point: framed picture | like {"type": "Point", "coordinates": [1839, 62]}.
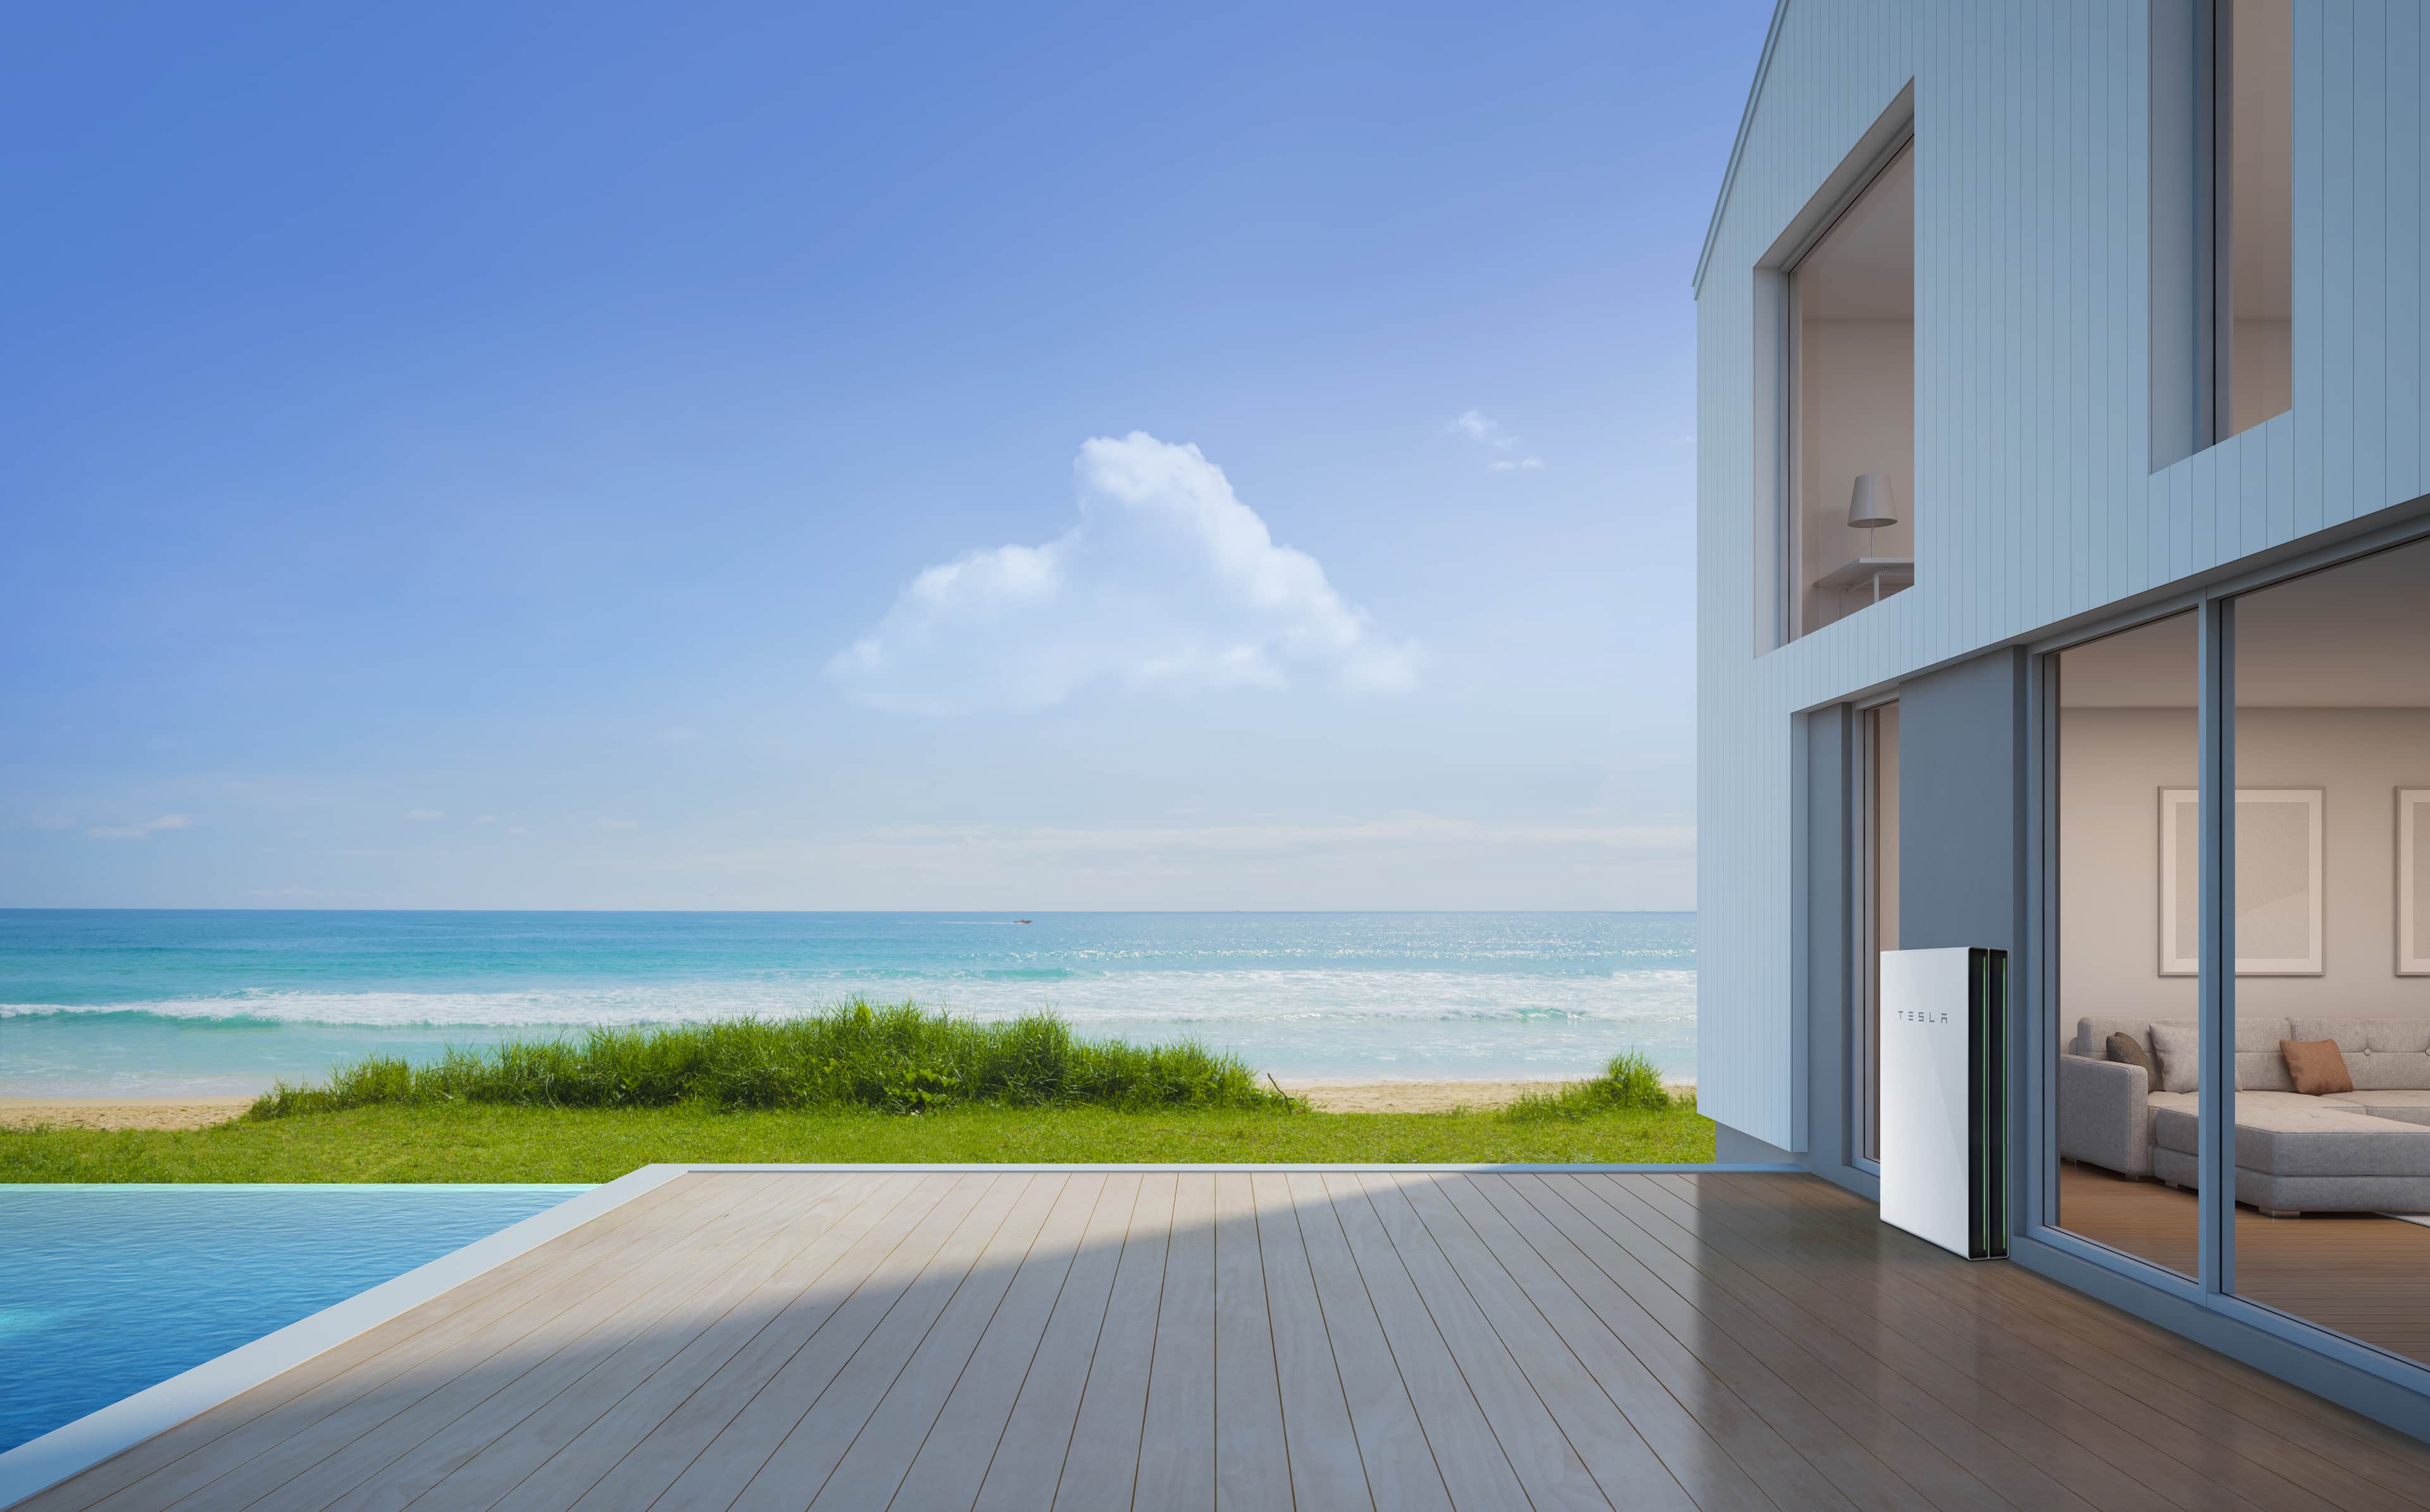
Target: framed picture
{"type": "Point", "coordinates": [2413, 881]}
{"type": "Point", "coordinates": [2279, 910]}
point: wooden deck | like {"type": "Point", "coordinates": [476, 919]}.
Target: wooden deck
{"type": "Point", "coordinates": [1026, 1339]}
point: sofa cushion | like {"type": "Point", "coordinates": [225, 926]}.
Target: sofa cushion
{"type": "Point", "coordinates": [2129, 1051]}
{"type": "Point", "coordinates": [2406, 1107]}
{"type": "Point", "coordinates": [2176, 1050]}
{"type": "Point", "coordinates": [2259, 1065]}
{"type": "Point", "coordinates": [2092, 1031]}
{"type": "Point", "coordinates": [2382, 1055]}
{"type": "Point", "coordinates": [2317, 1067]}
{"type": "Point", "coordinates": [2289, 1134]}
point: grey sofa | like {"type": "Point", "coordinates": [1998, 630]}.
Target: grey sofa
{"type": "Point", "coordinates": [2367, 1150]}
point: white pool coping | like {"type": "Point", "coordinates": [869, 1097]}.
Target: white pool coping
{"type": "Point", "coordinates": [39, 1463]}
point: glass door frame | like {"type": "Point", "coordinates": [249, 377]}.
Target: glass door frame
{"type": "Point", "coordinates": [2036, 1050]}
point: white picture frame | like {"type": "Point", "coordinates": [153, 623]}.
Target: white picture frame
{"type": "Point", "coordinates": [2413, 881]}
{"type": "Point", "coordinates": [2280, 906]}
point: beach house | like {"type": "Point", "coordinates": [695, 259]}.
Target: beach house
{"type": "Point", "coordinates": [2064, 589]}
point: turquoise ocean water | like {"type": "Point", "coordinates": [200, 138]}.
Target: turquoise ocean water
{"type": "Point", "coordinates": [100, 1002]}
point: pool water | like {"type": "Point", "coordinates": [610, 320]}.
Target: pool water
{"type": "Point", "coordinates": [105, 1290]}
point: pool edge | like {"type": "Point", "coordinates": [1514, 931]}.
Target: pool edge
{"type": "Point", "coordinates": [40, 1463]}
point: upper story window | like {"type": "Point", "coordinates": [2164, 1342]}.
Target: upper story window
{"type": "Point", "coordinates": [1850, 372]}
{"type": "Point", "coordinates": [2254, 165]}
{"type": "Point", "coordinates": [2222, 219]}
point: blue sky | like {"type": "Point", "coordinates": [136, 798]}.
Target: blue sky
{"type": "Point", "coordinates": [784, 456]}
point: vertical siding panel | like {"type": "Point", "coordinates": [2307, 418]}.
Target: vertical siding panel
{"type": "Point", "coordinates": [2370, 96]}
{"type": "Point", "coordinates": [2334, 500]}
{"type": "Point", "coordinates": [2310, 334]}
{"type": "Point", "coordinates": [2125, 397]}
{"type": "Point", "coordinates": [2401, 407]}
{"type": "Point", "coordinates": [2254, 503]}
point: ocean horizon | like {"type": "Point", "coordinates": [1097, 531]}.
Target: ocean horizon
{"type": "Point", "coordinates": [105, 1002]}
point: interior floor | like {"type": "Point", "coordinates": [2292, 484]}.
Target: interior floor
{"type": "Point", "coordinates": [2359, 1273]}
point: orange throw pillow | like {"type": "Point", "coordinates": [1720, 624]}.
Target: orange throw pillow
{"type": "Point", "coordinates": [2317, 1066]}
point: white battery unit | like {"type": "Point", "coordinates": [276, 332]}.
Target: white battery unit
{"type": "Point", "coordinates": [1945, 1035]}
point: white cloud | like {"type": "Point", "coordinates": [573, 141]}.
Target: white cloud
{"type": "Point", "coordinates": [426, 813]}
{"type": "Point", "coordinates": [136, 832]}
{"type": "Point", "coordinates": [1478, 426]}
{"type": "Point", "coordinates": [620, 823]}
{"type": "Point", "coordinates": [485, 819]}
{"type": "Point", "coordinates": [1168, 582]}
{"type": "Point", "coordinates": [517, 829]}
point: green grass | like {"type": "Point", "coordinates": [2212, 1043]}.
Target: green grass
{"type": "Point", "coordinates": [1629, 1082]}
{"type": "Point", "coordinates": [856, 1084]}
{"type": "Point", "coordinates": [897, 1059]}
{"type": "Point", "coordinates": [471, 1141]}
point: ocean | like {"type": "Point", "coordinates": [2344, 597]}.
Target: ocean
{"type": "Point", "coordinates": [174, 1003]}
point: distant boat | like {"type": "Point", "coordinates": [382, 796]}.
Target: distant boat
{"type": "Point", "coordinates": [1021, 921]}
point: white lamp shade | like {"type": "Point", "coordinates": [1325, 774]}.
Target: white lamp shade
{"type": "Point", "coordinates": [1873, 504]}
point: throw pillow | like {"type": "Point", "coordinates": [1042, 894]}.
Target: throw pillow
{"type": "Point", "coordinates": [2316, 1064]}
{"type": "Point", "coordinates": [2179, 1048]}
{"type": "Point", "coordinates": [2126, 1048]}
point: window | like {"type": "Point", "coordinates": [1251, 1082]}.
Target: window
{"type": "Point", "coordinates": [2223, 284]}
{"type": "Point", "coordinates": [2127, 867]}
{"type": "Point", "coordinates": [1851, 370]}
{"type": "Point", "coordinates": [2331, 757]}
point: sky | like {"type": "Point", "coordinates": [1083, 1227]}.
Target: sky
{"type": "Point", "coordinates": [892, 457]}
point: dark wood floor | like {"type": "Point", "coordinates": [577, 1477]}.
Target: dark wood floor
{"type": "Point", "coordinates": [2356, 1272]}
{"type": "Point", "coordinates": [1317, 1340]}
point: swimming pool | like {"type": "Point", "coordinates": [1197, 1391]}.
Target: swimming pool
{"type": "Point", "coordinates": [105, 1290]}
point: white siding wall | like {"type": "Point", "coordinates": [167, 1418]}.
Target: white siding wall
{"type": "Point", "coordinates": [2032, 498]}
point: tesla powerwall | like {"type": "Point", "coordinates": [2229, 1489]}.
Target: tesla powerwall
{"type": "Point", "coordinates": [1944, 1097]}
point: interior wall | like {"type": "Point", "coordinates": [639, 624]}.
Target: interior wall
{"type": "Point", "coordinates": [2261, 382]}
{"type": "Point", "coordinates": [1856, 414]}
{"type": "Point", "coordinates": [2112, 764]}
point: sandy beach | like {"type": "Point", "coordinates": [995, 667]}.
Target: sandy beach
{"type": "Point", "coordinates": [120, 1112]}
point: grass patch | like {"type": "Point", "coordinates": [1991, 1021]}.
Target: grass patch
{"type": "Point", "coordinates": [1629, 1083]}
{"type": "Point", "coordinates": [479, 1142]}
{"type": "Point", "coordinates": [897, 1059]}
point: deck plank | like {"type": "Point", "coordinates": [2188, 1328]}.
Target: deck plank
{"type": "Point", "coordinates": [947, 1467]}
{"type": "Point", "coordinates": [1704, 1390]}
{"type": "Point", "coordinates": [480, 1446]}
{"type": "Point", "coordinates": [827, 1230]}
{"type": "Point", "coordinates": [1547, 1461]}
{"type": "Point", "coordinates": [1561, 1325]}
{"type": "Point", "coordinates": [1320, 1449]}
{"type": "Point", "coordinates": [1393, 1452]}
{"type": "Point", "coordinates": [802, 1461]}
{"type": "Point", "coordinates": [1026, 1457]}
{"type": "Point", "coordinates": [1476, 1471]}
{"type": "Point", "coordinates": [2058, 1462]}
{"type": "Point", "coordinates": [1180, 1475]}
{"type": "Point", "coordinates": [826, 1279]}
{"type": "Point", "coordinates": [1102, 1468]}
{"type": "Point", "coordinates": [871, 1469]}
{"type": "Point", "coordinates": [2150, 1421]}
{"type": "Point", "coordinates": [746, 1438]}
{"type": "Point", "coordinates": [1252, 1455]}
